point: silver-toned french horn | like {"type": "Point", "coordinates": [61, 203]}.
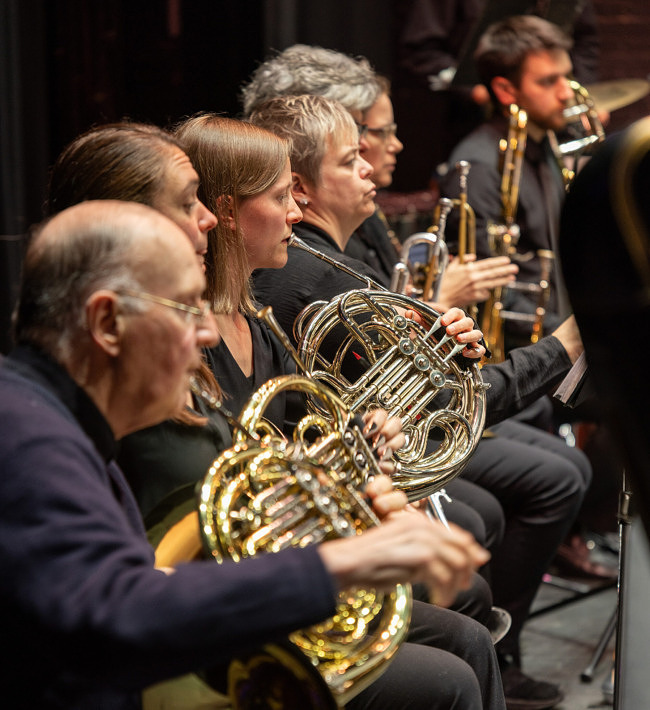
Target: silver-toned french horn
{"type": "Point", "coordinates": [268, 492]}
{"type": "Point", "coordinates": [404, 365]}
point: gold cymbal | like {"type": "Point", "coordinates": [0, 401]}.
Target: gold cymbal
{"type": "Point", "coordinates": [612, 95]}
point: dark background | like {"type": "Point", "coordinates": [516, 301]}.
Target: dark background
{"type": "Point", "coordinates": [68, 64]}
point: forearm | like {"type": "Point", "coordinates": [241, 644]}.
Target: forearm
{"type": "Point", "coordinates": [527, 374]}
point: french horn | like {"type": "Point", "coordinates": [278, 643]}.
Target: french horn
{"type": "Point", "coordinates": [404, 365]}
{"type": "Point", "coordinates": [269, 492]}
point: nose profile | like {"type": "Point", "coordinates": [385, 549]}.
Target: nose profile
{"type": "Point", "coordinates": [207, 220]}
{"type": "Point", "coordinates": [566, 91]}
{"type": "Point", "coordinates": [365, 169]}
{"type": "Point", "coordinates": [395, 145]}
{"type": "Point", "coordinates": [295, 213]}
{"type": "Point", "coordinates": [207, 332]}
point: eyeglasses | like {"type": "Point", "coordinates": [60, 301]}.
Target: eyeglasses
{"type": "Point", "coordinates": [191, 314]}
{"type": "Point", "coordinates": [384, 133]}
{"type": "Point", "coordinates": [363, 129]}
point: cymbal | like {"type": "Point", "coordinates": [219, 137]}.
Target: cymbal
{"type": "Point", "coordinates": [612, 95]}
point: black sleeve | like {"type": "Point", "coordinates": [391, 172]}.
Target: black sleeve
{"type": "Point", "coordinates": [526, 374]}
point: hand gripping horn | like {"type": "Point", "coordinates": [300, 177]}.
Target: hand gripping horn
{"type": "Point", "coordinates": [268, 492]}
{"type": "Point", "coordinates": [382, 358]}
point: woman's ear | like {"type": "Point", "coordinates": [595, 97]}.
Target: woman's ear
{"type": "Point", "coordinates": [226, 212]}
{"type": "Point", "coordinates": [300, 190]}
{"type": "Point", "coordinates": [505, 91]}
{"type": "Point", "coordinates": [104, 321]}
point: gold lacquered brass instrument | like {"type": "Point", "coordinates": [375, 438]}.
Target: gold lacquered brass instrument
{"type": "Point", "coordinates": [267, 493]}
{"type": "Point", "coordinates": [466, 220]}
{"type": "Point", "coordinates": [423, 273]}
{"type": "Point", "coordinates": [503, 236]}
{"type": "Point", "coordinates": [403, 368]}
{"type": "Point", "coordinates": [584, 130]}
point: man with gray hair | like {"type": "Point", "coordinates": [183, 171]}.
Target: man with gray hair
{"type": "Point", "coordinates": [109, 327]}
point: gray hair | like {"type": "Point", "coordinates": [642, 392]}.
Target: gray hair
{"type": "Point", "coordinates": [311, 124]}
{"type": "Point", "coordinates": [86, 248]}
{"type": "Point", "coordinates": [303, 69]}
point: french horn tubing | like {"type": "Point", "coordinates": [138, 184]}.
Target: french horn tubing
{"type": "Point", "coordinates": [269, 492]}
{"type": "Point", "coordinates": [402, 365]}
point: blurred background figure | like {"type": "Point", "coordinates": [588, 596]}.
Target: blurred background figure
{"type": "Point", "coordinates": [436, 108]}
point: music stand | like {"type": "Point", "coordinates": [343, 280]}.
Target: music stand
{"type": "Point", "coordinates": [615, 621]}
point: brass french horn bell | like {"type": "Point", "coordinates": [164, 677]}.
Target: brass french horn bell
{"type": "Point", "coordinates": [268, 493]}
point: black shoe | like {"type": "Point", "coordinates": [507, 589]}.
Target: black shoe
{"type": "Point", "coordinates": [525, 693]}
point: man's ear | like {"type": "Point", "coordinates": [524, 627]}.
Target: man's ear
{"type": "Point", "coordinates": [226, 212]}
{"type": "Point", "coordinates": [505, 91]}
{"type": "Point", "coordinates": [300, 189]}
{"type": "Point", "coordinates": [104, 321]}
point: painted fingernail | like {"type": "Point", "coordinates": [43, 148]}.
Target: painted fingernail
{"type": "Point", "coordinates": [369, 430]}
{"type": "Point", "coordinates": [380, 442]}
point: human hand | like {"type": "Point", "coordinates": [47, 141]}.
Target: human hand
{"type": "Point", "coordinates": [385, 435]}
{"type": "Point", "coordinates": [472, 281]}
{"type": "Point", "coordinates": [569, 335]}
{"type": "Point", "coordinates": [408, 547]}
{"type": "Point", "coordinates": [385, 498]}
{"type": "Point", "coordinates": [459, 325]}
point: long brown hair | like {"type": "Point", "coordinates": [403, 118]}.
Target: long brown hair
{"type": "Point", "coordinates": [119, 161]}
{"type": "Point", "coordinates": [235, 160]}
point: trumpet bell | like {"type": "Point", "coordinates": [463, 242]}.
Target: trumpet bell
{"type": "Point", "coordinates": [423, 261]}
{"type": "Point", "coordinates": [584, 128]}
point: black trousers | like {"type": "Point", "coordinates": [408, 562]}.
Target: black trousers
{"type": "Point", "coordinates": [540, 483]}
{"type": "Point", "coordinates": [447, 662]}
{"type": "Point", "coordinates": [477, 510]}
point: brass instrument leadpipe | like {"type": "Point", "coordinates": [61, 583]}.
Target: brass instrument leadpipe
{"type": "Point", "coordinates": [266, 314]}
{"type": "Point", "coordinates": [216, 404]}
{"type": "Point", "coordinates": [466, 221]}
{"type": "Point", "coordinates": [294, 241]}
{"type": "Point", "coordinates": [466, 232]}
{"type": "Point", "coordinates": [513, 157]}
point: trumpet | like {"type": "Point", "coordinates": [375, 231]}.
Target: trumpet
{"type": "Point", "coordinates": [584, 130]}
{"type": "Point", "coordinates": [466, 220]}
{"type": "Point", "coordinates": [503, 236]}
{"type": "Point", "coordinates": [423, 271]}
{"type": "Point", "coordinates": [407, 370]}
